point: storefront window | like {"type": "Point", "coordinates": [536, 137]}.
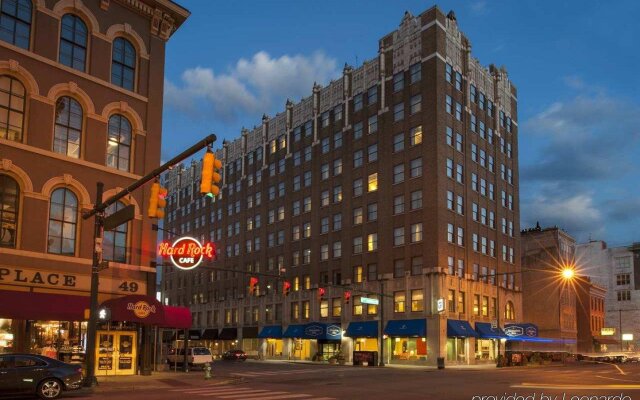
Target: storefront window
{"type": "Point", "coordinates": [457, 350]}
{"type": "Point", "coordinates": [485, 349]}
{"type": "Point", "coordinates": [410, 349]}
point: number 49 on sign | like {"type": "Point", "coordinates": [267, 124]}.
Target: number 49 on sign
{"type": "Point", "coordinates": [128, 287]}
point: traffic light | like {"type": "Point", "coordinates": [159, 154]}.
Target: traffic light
{"type": "Point", "coordinates": [286, 288]}
{"type": "Point", "coordinates": [347, 296]}
{"type": "Point", "coordinates": [320, 293]}
{"type": "Point", "coordinates": [253, 281]}
{"type": "Point", "coordinates": [210, 176]}
{"type": "Point", "coordinates": [157, 201]}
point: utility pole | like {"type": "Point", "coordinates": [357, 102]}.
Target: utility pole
{"type": "Point", "coordinates": [98, 211]}
{"type": "Point", "coordinates": [380, 331]}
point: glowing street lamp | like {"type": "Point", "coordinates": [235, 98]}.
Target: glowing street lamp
{"type": "Point", "coordinates": [568, 273]}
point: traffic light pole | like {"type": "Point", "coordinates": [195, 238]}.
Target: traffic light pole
{"type": "Point", "coordinates": [98, 211]}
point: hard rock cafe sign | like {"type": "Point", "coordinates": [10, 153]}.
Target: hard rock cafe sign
{"type": "Point", "coordinates": [141, 309]}
{"type": "Point", "coordinates": [187, 253]}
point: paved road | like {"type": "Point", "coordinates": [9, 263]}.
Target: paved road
{"type": "Point", "coordinates": [275, 381]}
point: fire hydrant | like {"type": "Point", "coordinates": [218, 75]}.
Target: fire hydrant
{"type": "Point", "coordinates": [207, 370]}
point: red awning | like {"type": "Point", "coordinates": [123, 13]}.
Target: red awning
{"type": "Point", "coordinates": [148, 311]}
{"type": "Point", "coordinates": [177, 317]}
{"type": "Point", "coordinates": [42, 306]}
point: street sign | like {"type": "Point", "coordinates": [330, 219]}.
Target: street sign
{"type": "Point", "coordinates": [608, 331]}
{"type": "Point", "coordinates": [494, 324]}
{"type": "Point", "coordinates": [440, 305]}
{"type": "Point", "coordinates": [119, 217]}
{"type": "Point", "coordinates": [627, 337]}
{"type": "Point", "coordinates": [368, 300]}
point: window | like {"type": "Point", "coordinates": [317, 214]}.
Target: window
{"type": "Point", "coordinates": [476, 304]}
{"type": "Point", "coordinates": [119, 143]}
{"type": "Point", "coordinates": [337, 249]}
{"type": "Point", "coordinates": [398, 236]}
{"type": "Point", "coordinates": [417, 300]}
{"type": "Point", "coordinates": [123, 65]}
{"type": "Point", "coordinates": [398, 81]}
{"type": "Point", "coordinates": [415, 104]}
{"type": "Point", "coordinates": [449, 168]}
{"type": "Point", "coordinates": [337, 140]}
{"type": "Point", "coordinates": [372, 95]}
{"type": "Point", "coordinates": [398, 142]}
{"type": "Point", "coordinates": [398, 173]}
{"type": "Point", "coordinates": [509, 311]}
{"type": "Point", "coordinates": [458, 81]}
{"type": "Point", "coordinates": [324, 198]}
{"type": "Point", "coordinates": [372, 242]}
{"type": "Point", "coordinates": [459, 173]}
{"type": "Point", "coordinates": [357, 245]}
{"type": "Point", "coordinates": [12, 104]}
{"type": "Point", "coordinates": [416, 232]}
{"type": "Point", "coordinates": [357, 216]}
{"type": "Point", "coordinates": [357, 130]}
{"type": "Point", "coordinates": [415, 72]}
{"type": "Point", "coordinates": [459, 142]}
{"type": "Point", "coordinates": [415, 167]}
{"type": "Point", "coordinates": [373, 124]}
{"type": "Point", "coordinates": [357, 102]}
{"type": "Point", "coordinates": [357, 158]}
{"type": "Point", "coordinates": [451, 300]}
{"type": "Point", "coordinates": [15, 22]}
{"type": "Point", "coordinates": [372, 182]}
{"type": "Point", "coordinates": [399, 299]}
{"type": "Point", "coordinates": [337, 194]}
{"type": "Point", "coordinates": [372, 152]}
{"type": "Point", "coordinates": [326, 145]}
{"type": "Point", "coordinates": [336, 307]}
{"type": "Point", "coordinates": [398, 204]}
{"type": "Point", "coordinates": [623, 279]}
{"type": "Point", "coordinates": [114, 242]}
{"type": "Point", "coordinates": [416, 265]}
{"type": "Point", "coordinates": [337, 166]}
{"type": "Point", "coordinates": [415, 135]}
{"type": "Point", "coordinates": [448, 73]}
{"type": "Point", "coordinates": [398, 112]}
{"type": "Point", "coordinates": [485, 306]}
{"type": "Point", "coordinates": [458, 111]}
{"type": "Point", "coordinates": [449, 104]}
{"type": "Point", "coordinates": [63, 220]}
{"type": "Point", "coordinates": [416, 199]}
{"type": "Point", "coordinates": [324, 308]}
{"type": "Point", "coordinates": [460, 205]}
{"type": "Point", "coordinates": [68, 129]}
{"type": "Point", "coordinates": [337, 222]}
{"type": "Point", "coordinates": [372, 212]}
{"type": "Point", "coordinates": [9, 203]}
{"type": "Point", "coordinates": [357, 305]}
{"type": "Point", "coordinates": [73, 42]}
{"type": "Point", "coordinates": [358, 272]}
{"type": "Point", "coordinates": [450, 233]}
{"type": "Point", "coordinates": [624, 295]}
{"type": "Point", "coordinates": [372, 272]}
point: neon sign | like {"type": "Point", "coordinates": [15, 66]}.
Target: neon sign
{"type": "Point", "coordinates": [186, 252]}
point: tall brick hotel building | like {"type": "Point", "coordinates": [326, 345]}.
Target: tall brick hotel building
{"type": "Point", "coordinates": [399, 177]}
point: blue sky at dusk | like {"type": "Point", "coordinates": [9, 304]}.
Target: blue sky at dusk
{"type": "Point", "coordinates": [575, 65]}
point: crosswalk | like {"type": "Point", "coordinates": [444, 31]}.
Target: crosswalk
{"type": "Point", "coordinates": [288, 372]}
{"type": "Point", "coordinates": [245, 393]}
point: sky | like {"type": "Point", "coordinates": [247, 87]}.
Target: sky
{"type": "Point", "coordinates": [575, 64]}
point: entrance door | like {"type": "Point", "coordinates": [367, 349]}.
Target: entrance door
{"type": "Point", "coordinates": [116, 353]}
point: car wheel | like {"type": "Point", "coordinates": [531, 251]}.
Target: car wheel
{"type": "Point", "coordinates": [50, 389]}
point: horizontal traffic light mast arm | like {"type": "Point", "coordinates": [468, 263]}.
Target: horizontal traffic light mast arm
{"type": "Point", "coordinates": [98, 208]}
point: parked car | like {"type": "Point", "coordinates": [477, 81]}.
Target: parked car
{"type": "Point", "coordinates": [237, 355]}
{"type": "Point", "coordinates": [195, 356]}
{"type": "Point", "coordinates": [22, 374]}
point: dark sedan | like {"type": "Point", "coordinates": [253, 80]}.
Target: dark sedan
{"type": "Point", "coordinates": [234, 355]}
{"type": "Point", "coordinates": [39, 375]}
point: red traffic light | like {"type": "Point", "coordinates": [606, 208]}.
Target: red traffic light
{"type": "Point", "coordinates": [253, 281]}
{"type": "Point", "coordinates": [321, 292]}
{"type": "Point", "coordinates": [347, 296]}
{"type": "Point", "coordinates": [286, 288]}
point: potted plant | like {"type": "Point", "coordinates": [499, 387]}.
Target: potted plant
{"type": "Point", "coordinates": [333, 359]}
{"type": "Point", "coordinates": [341, 358]}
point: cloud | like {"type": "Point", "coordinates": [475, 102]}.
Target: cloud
{"type": "Point", "coordinates": [479, 7]}
{"type": "Point", "coordinates": [585, 138]}
{"type": "Point", "coordinates": [251, 86]}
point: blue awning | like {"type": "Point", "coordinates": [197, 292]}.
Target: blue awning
{"type": "Point", "coordinates": [485, 331]}
{"type": "Point", "coordinates": [407, 328]}
{"type": "Point", "coordinates": [314, 330]}
{"type": "Point", "coordinates": [460, 328]}
{"type": "Point", "coordinates": [366, 329]}
{"type": "Point", "coordinates": [271, 332]}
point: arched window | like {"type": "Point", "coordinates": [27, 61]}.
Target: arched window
{"type": "Point", "coordinates": [119, 142]}
{"type": "Point", "coordinates": [68, 131]}
{"type": "Point", "coordinates": [73, 42]}
{"type": "Point", "coordinates": [9, 202]}
{"type": "Point", "coordinates": [15, 22]}
{"type": "Point", "coordinates": [509, 311]}
{"type": "Point", "coordinates": [12, 104]}
{"type": "Point", "coordinates": [114, 242]}
{"type": "Point", "coordinates": [123, 63]}
{"type": "Point", "coordinates": [63, 222]}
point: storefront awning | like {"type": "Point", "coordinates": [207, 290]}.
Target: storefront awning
{"type": "Point", "coordinates": [194, 334]}
{"type": "Point", "coordinates": [42, 306]}
{"type": "Point", "coordinates": [362, 329]}
{"type": "Point", "coordinates": [460, 328]}
{"type": "Point", "coordinates": [271, 332]}
{"type": "Point", "coordinates": [407, 328]}
{"type": "Point", "coordinates": [228, 334]}
{"type": "Point", "coordinates": [148, 311]}
{"type": "Point", "coordinates": [485, 331]}
{"type": "Point", "coordinates": [605, 340]}
{"type": "Point", "coordinates": [250, 332]}
{"type": "Point", "coordinates": [314, 330]}
{"type": "Point", "coordinates": [210, 334]}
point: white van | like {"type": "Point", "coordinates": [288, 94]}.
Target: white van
{"type": "Point", "coordinates": [195, 356]}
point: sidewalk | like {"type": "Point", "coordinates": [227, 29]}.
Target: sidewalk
{"type": "Point", "coordinates": [158, 380]}
{"type": "Point", "coordinates": [399, 366]}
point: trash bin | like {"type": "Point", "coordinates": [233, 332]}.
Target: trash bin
{"type": "Point", "coordinates": [440, 362]}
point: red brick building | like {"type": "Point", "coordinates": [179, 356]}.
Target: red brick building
{"type": "Point", "coordinates": [590, 309]}
{"type": "Point", "coordinates": [81, 86]}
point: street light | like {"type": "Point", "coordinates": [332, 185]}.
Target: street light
{"type": "Point", "coordinates": [568, 273]}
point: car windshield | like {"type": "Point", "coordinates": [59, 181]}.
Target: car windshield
{"type": "Point", "coordinates": [201, 351]}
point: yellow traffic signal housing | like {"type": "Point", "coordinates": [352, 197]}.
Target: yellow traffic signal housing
{"type": "Point", "coordinates": [210, 176]}
{"type": "Point", "coordinates": [162, 202]}
{"type": "Point", "coordinates": [153, 200]}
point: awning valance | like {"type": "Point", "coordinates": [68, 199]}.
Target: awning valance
{"type": "Point", "coordinates": [228, 334]}
{"type": "Point", "coordinates": [362, 329]}
{"type": "Point", "coordinates": [460, 328]}
{"type": "Point", "coordinates": [485, 331]}
{"type": "Point", "coordinates": [250, 332]}
{"type": "Point", "coordinates": [406, 328]}
{"type": "Point", "coordinates": [210, 334]}
{"type": "Point", "coordinates": [148, 311]}
{"type": "Point", "coordinates": [314, 330]}
{"type": "Point", "coordinates": [271, 332]}
{"type": "Point", "coordinates": [42, 306]}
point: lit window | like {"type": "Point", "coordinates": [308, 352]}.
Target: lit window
{"type": "Point", "coordinates": [372, 241]}
{"type": "Point", "coordinates": [119, 143]}
{"type": "Point", "coordinates": [372, 182]}
{"type": "Point", "coordinates": [12, 105]}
